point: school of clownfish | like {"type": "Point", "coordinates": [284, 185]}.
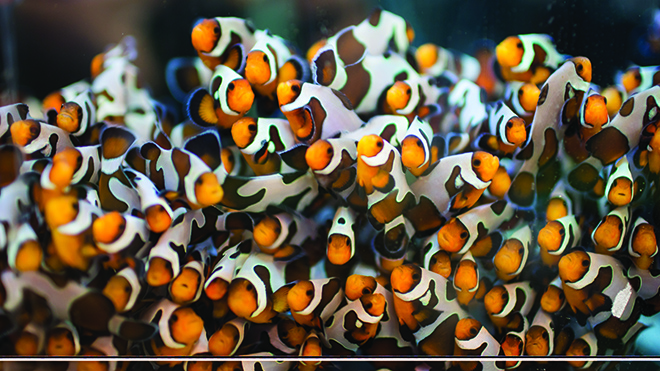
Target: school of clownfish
{"type": "Point", "coordinates": [405, 201]}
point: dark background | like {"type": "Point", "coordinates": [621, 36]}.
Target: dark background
{"type": "Point", "coordinates": [56, 39]}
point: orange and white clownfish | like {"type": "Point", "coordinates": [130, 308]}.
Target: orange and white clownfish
{"type": "Point", "coordinates": [224, 40]}
{"type": "Point", "coordinates": [272, 60]}
{"type": "Point", "coordinates": [125, 288]}
{"type": "Point", "coordinates": [463, 178]}
{"type": "Point", "coordinates": [416, 147]}
{"type": "Point", "coordinates": [157, 211]}
{"type": "Point", "coordinates": [522, 98]}
{"type": "Point", "coordinates": [620, 189]}
{"type": "Point", "coordinates": [312, 302]}
{"type": "Point", "coordinates": [593, 115]}
{"type": "Point", "coordinates": [281, 229]}
{"type": "Point", "coordinates": [380, 174]}
{"type": "Point", "coordinates": [228, 338]}
{"type": "Point", "coordinates": [106, 346]}
{"type": "Point", "coordinates": [540, 338]}
{"type": "Point", "coordinates": [543, 141]}
{"type": "Point", "coordinates": [553, 299]}
{"type": "Point", "coordinates": [316, 112]}
{"type": "Point", "coordinates": [506, 127]}
{"type": "Point", "coordinates": [62, 340]}
{"type": "Point", "coordinates": [54, 100]}
{"type": "Point", "coordinates": [614, 97]}
{"type": "Point", "coordinates": [610, 233]}
{"type": "Point", "coordinates": [391, 244]}
{"type": "Point", "coordinates": [471, 338]}
{"type": "Point", "coordinates": [10, 114]}
{"type": "Point", "coordinates": [179, 329]}
{"type": "Point", "coordinates": [646, 283]}
{"type": "Point", "coordinates": [596, 287]}
{"type": "Point", "coordinates": [414, 96]}
{"type": "Point", "coordinates": [33, 136]}
{"type": "Point", "coordinates": [357, 322]}
{"type": "Point", "coordinates": [224, 271]}
{"type": "Point", "coordinates": [110, 89]}
{"type": "Point", "coordinates": [624, 131]}
{"type": "Point", "coordinates": [333, 163]}
{"type": "Point", "coordinates": [392, 128]}
{"type": "Point", "coordinates": [126, 49]}
{"type": "Point", "coordinates": [285, 337]}
{"type": "Point", "coordinates": [503, 301]}
{"type": "Point", "coordinates": [512, 256]}
{"type": "Point", "coordinates": [115, 189]}
{"type": "Point", "coordinates": [469, 99]}
{"type": "Point", "coordinates": [24, 251]}
{"type": "Point", "coordinates": [636, 79]}
{"type": "Point", "coordinates": [311, 347]}
{"type": "Point", "coordinates": [584, 346]}
{"type": "Point", "coordinates": [341, 236]}
{"type": "Point", "coordinates": [256, 364]}
{"type": "Point", "coordinates": [434, 60]}
{"type": "Point", "coordinates": [77, 115]}
{"type": "Point", "coordinates": [187, 287]}
{"type": "Point", "coordinates": [261, 142]}
{"type": "Point", "coordinates": [425, 307]}
{"type": "Point", "coordinates": [116, 233]}
{"type": "Point", "coordinates": [31, 340]}
{"type": "Point", "coordinates": [460, 233]}
{"type": "Point", "coordinates": [72, 166]}
{"type": "Point", "coordinates": [560, 203]}
{"type": "Point", "coordinates": [86, 308]}
{"type": "Point", "coordinates": [556, 237]}
{"type": "Point", "coordinates": [365, 82]}
{"type": "Point", "coordinates": [258, 292]}
{"type": "Point", "coordinates": [436, 260]}
{"type": "Point", "coordinates": [228, 98]}
{"type": "Point", "coordinates": [524, 57]}
{"type": "Point", "coordinates": [642, 244]}
{"type": "Point", "coordinates": [466, 279]}
{"type": "Point", "coordinates": [185, 74]}
{"type": "Point", "coordinates": [513, 341]}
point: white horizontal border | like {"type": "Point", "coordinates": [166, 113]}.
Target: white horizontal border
{"type": "Point", "coordinates": [336, 359]}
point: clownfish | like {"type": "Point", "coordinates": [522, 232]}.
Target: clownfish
{"type": "Point", "coordinates": [315, 112]}
{"type": "Point", "coordinates": [33, 136]}
{"type": "Point", "coordinates": [364, 82]}
{"type": "Point", "coordinates": [466, 279]}
{"type": "Point", "coordinates": [584, 346]}
{"type": "Point", "coordinates": [522, 98]}
{"type": "Point", "coordinates": [179, 329]}
{"type": "Point", "coordinates": [416, 147]}
{"type": "Point", "coordinates": [560, 203]}
{"type": "Point", "coordinates": [540, 338]}
{"type": "Point", "coordinates": [636, 79]}
{"type": "Point", "coordinates": [557, 236]}
{"type": "Point", "coordinates": [228, 338]}
{"type": "Point", "coordinates": [608, 236]}
{"type": "Point", "coordinates": [461, 232]}
{"type": "Point", "coordinates": [31, 340]}
{"type": "Point", "coordinates": [414, 96]}
{"type": "Point", "coordinates": [422, 305]}
{"type": "Point", "coordinates": [614, 98]}
{"type": "Point", "coordinates": [463, 178]}
{"type": "Point", "coordinates": [595, 286]}
{"type": "Point", "coordinates": [593, 115]}
{"type": "Point", "coordinates": [471, 338]}
{"type": "Point", "coordinates": [392, 128]}
{"type": "Point", "coordinates": [553, 299]}
{"type": "Point", "coordinates": [115, 189]}
{"type": "Point", "coordinates": [24, 251]}
{"type": "Point", "coordinates": [512, 256]}
{"type": "Point", "coordinates": [125, 288]}
{"type": "Point", "coordinates": [506, 127]}
{"type": "Point", "coordinates": [223, 40]}
{"type": "Point", "coordinates": [500, 184]}
{"type": "Point", "coordinates": [217, 282]}
{"type": "Point", "coordinates": [513, 342]}
{"type": "Point", "coordinates": [188, 286]}
{"type": "Point", "coordinates": [62, 340]}
{"type": "Point", "coordinates": [434, 60]}
{"type": "Point", "coordinates": [311, 347]}
{"type": "Point", "coordinates": [114, 233]}
{"type": "Point", "coordinates": [333, 162]}
{"type": "Point", "coordinates": [275, 231]}
{"type": "Point", "coordinates": [77, 115]}
{"type": "Point", "coordinates": [542, 144]}
{"type": "Point", "coordinates": [470, 100]}
{"type": "Point", "coordinates": [624, 131]}
{"type": "Point", "coordinates": [620, 188]}
{"type": "Point", "coordinates": [157, 211]}
{"type": "Point", "coordinates": [104, 346]}
{"type": "Point", "coordinates": [341, 236]}
{"type": "Point", "coordinates": [228, 99]}
{"type": "Point", "coordinates": [352, 325]}
{"type": "Point", "coordinates": [529, 58]}
{"type": "Point", "coordinates": [642, 245]}
{"type": "Point", "coordinates": [54, 100]}
{"type": "Point", "coordinates": [380, 174]}
{"type": "Point", "coordinates": [502, 302]}
{"type": "Point", "coordinates": [312, 302]}
{"type": "Point", "coordinates": [391, 245]}
{"type": "Point", "coordinates": [262, 142]}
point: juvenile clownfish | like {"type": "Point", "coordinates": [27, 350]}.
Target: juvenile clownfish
{"type": "Point", "coordinates": [557, 236]}
{"type": "Point", "coordinates": [420, 309]}
{"type": "Point", "coordinates": [512, 256]}
{"type": "Point", "coordinates": [30, 341]}
{"type": "Point", "coordinates": [391, 245]}
{"type": "Point", "coordinates": [416, 147]}
{"type": "Point", "coordinates": [341, 236]}
{"type": "Point", "coordinates": [124, 288]}
{"type": "Point", "coordinates": [608, 236]}
{"type": "Point", "coordinates": [466, 279]}
{"type": "Point", "coordinates": [542, 143]}
{"type": "Point", "coordinates": [460, 233]}
{"type": "Point", "coordinates": [157, 211]}
{"type": "Point", "coordinates": [506, 127]}
{"type": "Point", "coordinates": [513, 343]}
{"type": "Point", "coordinates": [261, 142]}
{"type": "Point", "coordinates": [522, 98]}
{"type": "Point", "coordinates": [333, 162]}
{"type": "Point", "coordinates": [560, 203]}
{"type": "Point", "coordinates": [314, 111]}
{"type": "Point", "coordinates": [614, 98]}
{"type": "Point", "coordinates": [62, 340]}
{"type": "Point", "coordinates": [313, 302]}
{"type": "Point", "coordinates": [24, 251]}
{"type": "Point", "coordinates": [553, 299]}
{"type": "Point", "coordinates": [584, 346]}
{"type": "Point", "coordinates": [472, 338]}
{"type": "Point", "coordinates": [593, 115]}
{"type": "Point", "coordinates": [72, 166]}
{"type": "Point", "coordinates": [503, 302]}
{"type": "Point", "coordinates": [188, 286]}
{"type": "Point", "coordinates": [619, 188]}
{"type": "Point", "coordinates": [77, 115]}
{"type": "Point", "coordinates": [33, 136]}
{"type": "Point", "coordinates": [433, 60]}
{"type": "Point", "coordinates": [643, 245]}
{"type": "Point", "coordinates": [275, 231]}
{"type": "Point", "coordinates": [637, 79]}
{"type": "Point", "coordinates": [540, 338]}
{"type": "Point", "coordinates": [528, 57]}
{"type": "Point", "coordinates": [228, 99]}
{"type": "Point", "coordinates": [469, 101]}
{"type": "Point", "coordinates": [500, 184]}
{"type": "Point", "coordinates": [311, 347]}
{"type": "Point", "coordinates": [228, 338]}
{"type": "Point", "coordinates": [414, 96]}
{"type": "Point", "coordinates": [223, 40]}
{"type": "Point", "coordinates": [117, 233]}
{"type": "Point", "coordinates": [179, 329]}
{"type": "Point", "coordinates": [115, 190]}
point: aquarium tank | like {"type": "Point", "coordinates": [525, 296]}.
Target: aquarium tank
{"type": "Point", "coordinates": [331, 185]}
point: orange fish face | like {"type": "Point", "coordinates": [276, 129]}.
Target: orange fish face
{"type": "Point", "coordinates": [573, 266]}
{"type": "Point", "coordinates": [553, 299]}
{"type": "Point", "coordinates": [485, 165]}
{"type": "Point", "coordinates": [582, 67]}
{"type": "Point", "coordinates": [496, 299]}
{"type": "Point", "coordinates": [208, 190]}
{"type": "Point", "coordinates": [528, 96]}
{"type": "Point", "coordinates": [109, 227]}
{"type": "Point", "coordinates": [398, 95]}
{"type": "Point", "coordinates": [118, 290]}
{"type": "Point", "coordinates": [288, 91]}
{"type": "Point", "coordinates": [358, 285]}
{"type": "Point", "coordinates": [467, 328]}
{"type": "Point", "coordinates": [405, 277]}
{"type": "Point", "coordinates": [621, 192]}
{"type": "Point", "coordinates": [300, 295]}
{"type": "Point", "coordinates": [159, 273]}
{"type": "Point", "coordinates": [440, 263]}
{"type": "Point", "coordinates": [267, 231]}
{"type": "Point", "coordinates": [185, 325]}
{"type": "Point", "coordinates": [608, 234]}
{"type": "Point", "coordinates": [537, 341]}
{"type": "Point", "coordinates": [257, 68]}
{"type": "Point", "coordinates": [185, 286]}
{"type": "Point", "coordinates": [319, 155]}
{"type": "Point", "coordinates": [412, 152]}
{"type": "Point", "coordinates": [516, 132]}
{"type": "Point", "coordinates": [339, 249]}
{"type": "Point", "coordinates": [242, 297]}
{"type": "Point", "coordinates": [453, 236]}
{"type": "Point", "coordinates": [243, 131]}
{"type": "Point", "coordinates": [24, 132]}
{"type": "Point", "coordinates": [426, 55]}
{"type": "Point", "coordinates": [631, 79]}
{"type": "Point", "coordinates": [369, 145]}
{"type": "Point", "coordinates": [508, 258]}
{"type": "Point", "coordinates": [240, 96]}
{"type": "Point", "coordinates": [60, 343]}
{"type": "Point", "coordinates": [224, 341]}
{"type": "Point", "coordinates": [551, 236]}
{"type": "Point", "coordinates": [65, 165]}
{"type": "Point", "coordinates": [69, 117]}
{"type": "Point", "coordinates": [205, 35]}
{"type": "Point", "coordinates": [510, 52]}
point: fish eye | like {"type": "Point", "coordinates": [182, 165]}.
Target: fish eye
{"type": "Point", "coordinates": [579, 67]}
{"type": "Point", "coordinates": [249, 287]}
{"type": "Point", "coordinates": [230, 87]}
{"type": "Point", "coordinates": [476, 163]}
{"type": "Point", "coordinates": [433, 261]}
{"type": "Point", "coordinates": [76, 207]}
{"type": "Point", "coordinates": [419, 143]}
{"type": "Point", "coordinates": [509, 124]}
{"type": "Point", "coordinates": [520, 93]}
{"type": "Point", "coordinates": [236, 337]}
{"type": "Point", "coordinates": [79, 112]}
{"type": "Point", "coordinates": [614, 183]}
{"type": "Point", "coordinates": [309, 293]}
{"type": "Point", "coordinates": [265, 58]}
{"type": "Point", "coordinates": [216, 30]}
{"type": "Point", "coordinates": [368, 306]}
{"type": "Point", "coordinates": [173, 319]}
{"type": "Point", "coordinates": [585, 350]}
{"type": "Point", "coordinates": [464, 235]}
{"type": "Point", "coordinates": [521, 251]}
{"type": "Point", "coordinates": [198, 181]}
{"type": "Point", "coordinates": [561, 232]}
{"type": "Point", "coordinates": [505, 296]}
{"type": "Point", "coordinates": [473, 331]}
{"type": "Point", "coordinates": [79, 161]}
{"type": "Point", "coordinates": [638, 77]}
{"type": "Point", "coordinates": [519, 45]}
{"type": "Point", "coordinates": [295, 89]}
{"type": "Point", "coordinates": [620, 227]}
{"type": "Point", "coordinates": [408, 92]}
{"type": "Point", "coordinates": [329, 150]}
{"type": "Point", "coordinates": [379, 144]}
{"type": "Point", "coordinates": [415, 276]}
{"type": "Point", "coordinates": [585, 263]}
{"type": "Point", "coordinates": [278, 230]}
{"type": "Point", "coordinates": [366, 291]}
{"type": "Point", "coordinates": [34, 130]}
{"type": "Point", "coordinates": [127, 289]}
{"type": "Point", "coordinates": [545, 335]}
{"type": "Point", "coordinates": [252, 127]}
